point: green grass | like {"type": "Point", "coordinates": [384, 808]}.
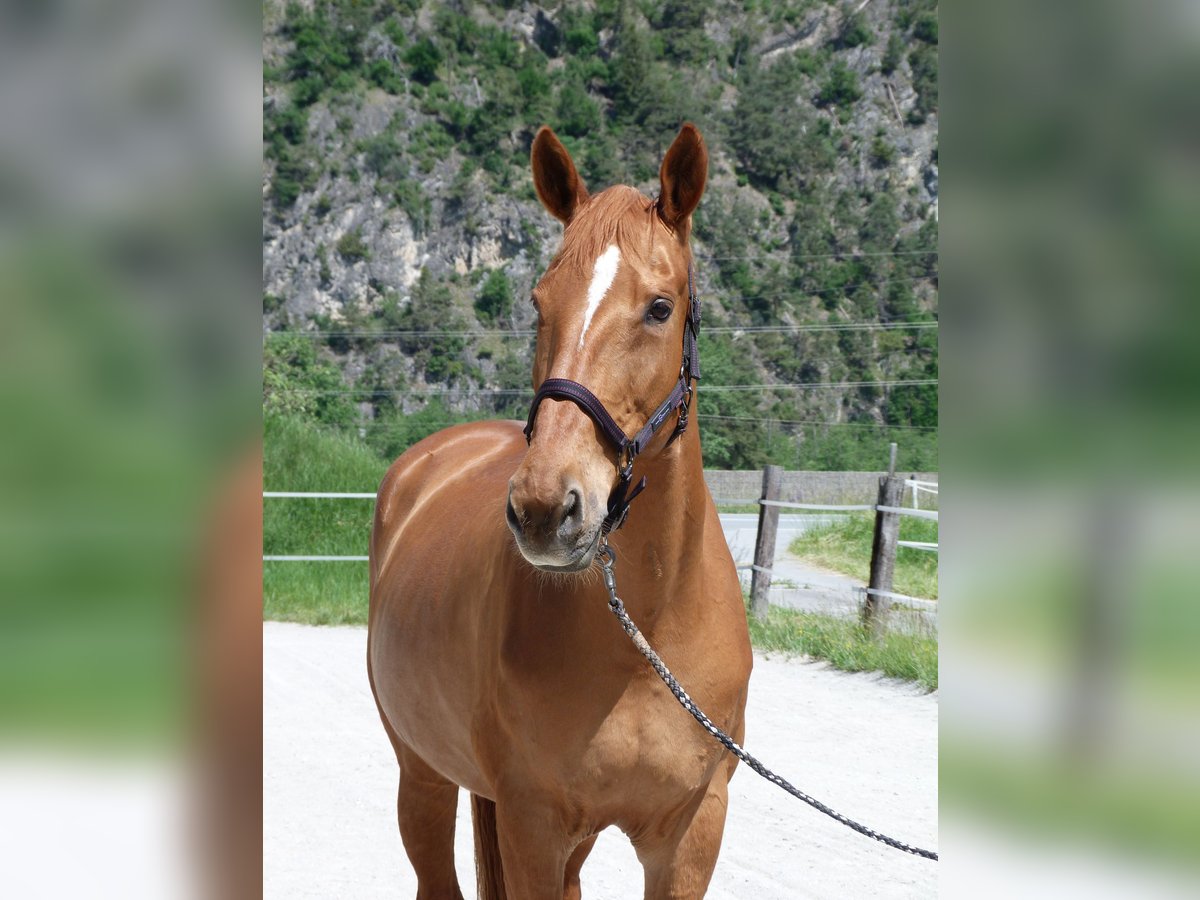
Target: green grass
{"type": "Point", "coordinates": [1124, 808]}
{"type": "Point", "coordinates": [845, 546]}
{"type": "Point", "coordinates": [737, 508]}
{"type": "Point", "coordinates": [316, 593]}
{"type": "Point", "coordinates": [299, 456]}
{"type": "Point", "coordinates": [844, 644]}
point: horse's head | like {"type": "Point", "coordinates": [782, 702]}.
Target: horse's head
{"type": "Point", "coordinates": [612, 309]}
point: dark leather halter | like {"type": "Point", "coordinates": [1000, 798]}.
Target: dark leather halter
{"type": "Point", "coordinates": [628, 448]}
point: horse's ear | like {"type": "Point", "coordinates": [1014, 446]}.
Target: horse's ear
{"type": "Point", "coordinates": [683, 174]}
{"type": "Point", "coordinates": [558, 185]}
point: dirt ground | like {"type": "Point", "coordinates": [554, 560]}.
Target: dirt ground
{"type": "Point", "coordinates": [866, 746]}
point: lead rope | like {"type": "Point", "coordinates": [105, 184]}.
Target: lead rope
{"type": "Point", "coordinates": [607, 559]}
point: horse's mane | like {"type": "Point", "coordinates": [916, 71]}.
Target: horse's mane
{"type": "Point", "coordinates": [618, 215]}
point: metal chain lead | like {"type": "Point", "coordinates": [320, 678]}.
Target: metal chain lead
{"type": "Point", "coordinates": [607, 559]}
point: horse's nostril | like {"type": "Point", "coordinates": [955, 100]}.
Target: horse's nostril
{"type": "Point", "coordinates": [573, 507]}
{"type": "Point", "coordinates": [510, 514]}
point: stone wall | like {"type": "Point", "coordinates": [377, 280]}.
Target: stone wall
{"type": "Point", "coordinates": [811, 487]}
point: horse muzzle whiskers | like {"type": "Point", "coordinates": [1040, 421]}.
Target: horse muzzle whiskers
{"type": "Point", "coordinates": [554, 519]}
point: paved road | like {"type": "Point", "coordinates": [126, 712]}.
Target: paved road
{"type": "Point", "coordinates": [865, 745]}
{"type": "Point", "coordinates": [798, 585]}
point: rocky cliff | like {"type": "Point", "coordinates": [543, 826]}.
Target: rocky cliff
{"type": "Point", "coordinates": [401, 234]}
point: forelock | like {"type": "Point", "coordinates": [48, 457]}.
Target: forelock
{"type": "Point", "coordinates": [619, 215]}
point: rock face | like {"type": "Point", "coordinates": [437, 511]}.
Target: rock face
{"type": "Point", "coordinates": [391, 169]}
{"type": "Point", "coordinates": [301, 260]}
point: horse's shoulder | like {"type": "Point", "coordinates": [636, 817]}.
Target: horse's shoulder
{"type": "Point", "coordinates": [421, 466]}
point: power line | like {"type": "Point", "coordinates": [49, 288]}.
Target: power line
{"type": "Point", "coordinates": [841, 288]}
{"type": "Point", "coordinates": [847, 254]}
{"type": "Point", "coordinates": [527, 333]}
{"type": "Point", "coordinates": [840, 326]}
{"type": "Point", "coordinates": [376, 426]}
{"type": "Point", "coordinates": [799, 386]}
{"type": "Point", "coordinates": [494, 392]}
{"type": "Point", "coordinates": [813, 423]}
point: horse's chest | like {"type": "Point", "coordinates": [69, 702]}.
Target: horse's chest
{"type": "Point", "coordinates": [646, 751]}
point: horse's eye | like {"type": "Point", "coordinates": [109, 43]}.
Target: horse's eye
{"type": "Point", "coordinates": [660, 310]}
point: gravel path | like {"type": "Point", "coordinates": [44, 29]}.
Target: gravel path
{"type": "Point", "coordinates": [866, 746]}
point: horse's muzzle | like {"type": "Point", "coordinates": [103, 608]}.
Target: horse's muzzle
{"type": "Point", "coordinates": [555, 535]}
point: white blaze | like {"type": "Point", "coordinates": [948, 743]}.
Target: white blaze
{"type": "Point", "coordinates": [602, 279]}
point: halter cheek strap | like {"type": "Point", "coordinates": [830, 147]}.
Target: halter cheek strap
{"type": "Point", "coordinates": [680, 399]}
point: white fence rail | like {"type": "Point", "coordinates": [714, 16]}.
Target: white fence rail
{"type": "Point", "coordinates": [317, 495]}
{"type": "Point", "coordinates": [328, 495]}
{"type": "Point", "coordinates": [818, 507]}
{"type": "Point", "coordinates": [928, 487]}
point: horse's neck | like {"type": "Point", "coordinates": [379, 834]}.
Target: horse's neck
{"type": "Point", "coordinates": [660, 558]}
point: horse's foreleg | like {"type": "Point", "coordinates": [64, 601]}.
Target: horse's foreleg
{"type": "Point", "coordinates": [534, 848]}
{"type": "Point", "coordinates": [680, 863]}
{"type": "Point", "coordinates": [427, 804]}
{"type": "Point", "coordinates": [571, 889]}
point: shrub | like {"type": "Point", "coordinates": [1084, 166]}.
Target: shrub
{"type": "Point", "coordinates": [852, 33]}
{"type": "Point", "coordinates": [294, 173]}
{"type": "Point", "coordinates": [924, 63]}
{"type": "Point", "coordinates": [415, 204]}
{"type": "Point", "coordinates": [384, 74]}
{"type": "Point", "coordinates": [892, 54]}
{"type": "Point", "coordinates": [423, 59]}
{"type": "Point", "coordinates": [351, 247]}
{"type": "Point", "coordinates": [925, 28]}
{"type": "Point", "coordinates": [578, 114]}
{"type": "Point", "coordinates": [581, 40]}
{"type": "Point", "coordinates": [495, 297]}
{"type": "Point", "coordinates": [299, 382]}
{"type": "Point", "coordinates": [840, 88]}
{"type": "Point", "coordinates": [323, 272]}
{"type": "Point", "coordinates": [883, 154]}
{"type": "Point", "coordinates": [777, 143]}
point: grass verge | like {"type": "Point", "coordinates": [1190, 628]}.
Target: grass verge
{"type": "Point", "coordinates": [1120, 807]}
{"type": "Point", "coordinates": [844, 644]}
{"type": "Point", "coordinates": [845, 546]}
{"type": "Point", "coordinates": [316, 593]}
{"type": "Point", "coordinates": [301, 457]}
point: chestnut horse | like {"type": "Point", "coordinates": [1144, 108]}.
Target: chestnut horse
{"type": "Point", "coordinates": [494, 659]}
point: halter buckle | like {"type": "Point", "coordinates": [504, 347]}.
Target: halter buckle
{"type": "Point", "coordinates": [625, 464]}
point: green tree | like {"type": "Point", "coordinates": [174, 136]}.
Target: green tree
{"type": "Point", "coordinates": [925, 28]}
{"type": "Point", "coordinates": [578, 113]}
{"type": "Point", "coordinates": [892, 54]}
{"type": "Point", "coordinates": [681, 24]}
{"type": "Point", "coordinates": [440, 355]}
{"type": "Point", "coordinates": [632, 82]}
{"type": "Point", "coordinates": [351, 247]}
{"type": "Point", "coordinates": [423, 59]}
{"type": "Point", "coordinates": [924, 64]}
{"type": "Point", "coordinates": [840, 88]}
{"type": "Point", "coordinates": [296, 381]}
{"type": "Point", "coordinates": [777, 142]}
{"type": "Point", "coordinates": [853, 32]}
{"type": "Point", "coordinates": [495, 298]}
{"type": "Point", "coordinates": [730, 441]}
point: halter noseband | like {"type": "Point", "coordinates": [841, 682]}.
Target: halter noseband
{"type": "Point", "coordinates": [627, 448]}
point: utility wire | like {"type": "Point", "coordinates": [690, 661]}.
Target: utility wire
{"type": "Point", "coordinates": [492, 392]}
{"type": "Point", "coordinates": [710, 329]}
{"type": "Point", "coordinates": [808, 423]}
{"type": "Point", "coordinates": [847, 254]}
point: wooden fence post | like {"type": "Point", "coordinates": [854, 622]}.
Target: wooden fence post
{"type": "Point", "coordinates": [883, 552]}
{"type": "Point", "coordinates": [764, 545]}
